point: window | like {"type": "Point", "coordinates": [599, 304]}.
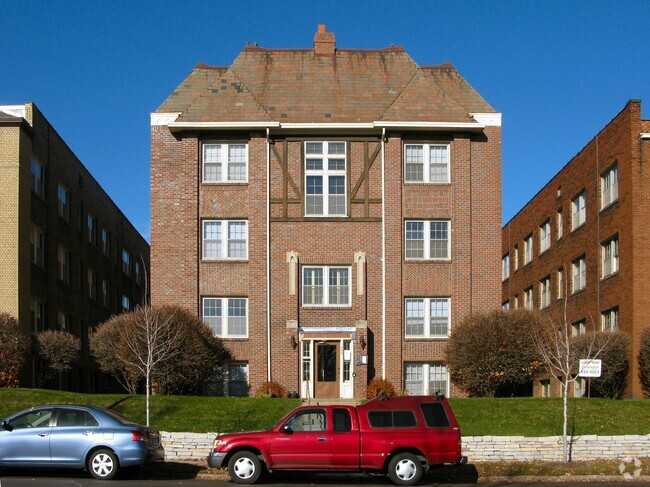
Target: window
{"type": "Point", "coordinates": [227, 317]}
{"type": "Point", "coordinates": [338, 291]}
{"type": "Point", "coordinates": [425, 378]}
{"type": "Point", "coordinates": [308, 420]}
{"type": "Point", "coordinates": [435, 247]}
{"type": "Point", "coordinates": [580, 387]}
{"type": "Point", "coordinates": [427, 317]}
{"type": "Point", "coordinates": [560, 283]}
{"type": "Point", "coordinates": [609, 253]}
{"type": "Point", "coordinates": [126, 303]}
{"type": "Point", "coordinates": [238, 380]}
{"type": "Point", "coordinates": [579, 267]}
{"type": "Point", "coordinates": [560, 224]}
{"type": "Point", "coordinates": [63, 206]}
{"type": "Point", "coordinates": [63, 261]}
{"type": "Point", "coordinates": [225, 163]}
{"type": "Point", "coordinates": [528, 298]}
{"type": "Point", "coordinates": [325, 179]}
{"type": "Point", "coordinates": [515, 301]}
{"type": "Point", "coordinates": [578, 328]}
{"type": "Point", "coordinates": [515, 258]}
{"type": "Point", "coordinates": [138, 273]}
{"type": "Point", "coordinates": [39, 418]}
{"type": "Point", "coordinates": [38, 178]}
{"type": "Point", "coordinates": [609, 320]}
{"type": "Point", "coordinates": [306, 360]}
{"type": "Point", "coordinates": [63, 320]}
{"type": "Point", "coordinates": [225, 239]}
{"type": "Point", "coordinates": [528, 249]}
{"type": "Point", "coordinates": [92, 229]}
{"type": "Point", "coordinates": [436, 170]}
{"type": "Point", "coordinates": [92, 283]}
{"type": "Point", "coordinates": [106, 242]}
{"type": "Point", "coordinates": [545, 292]}
{"type": "Point", "coordinates": [578, 210]}
{"type": "Point", "coordinates": [392, 419]}
{"type": "Point", "coordinates": [106, 289]}
{"type": "Point", "coordinates": [505, 306]}
{"type": "Point", "coordinates": [37, 315]}
{"type": "Point", "coordinates": [75, 417]}
{"type": "Point", "coordinates": [505, 267]}
{"type": "Point", "coordinates": [609, 187]}
{"type": "Point", "coordinates": [37, 245]}
{"type": "Point", "coordinates": [126, 262]}
{"type": "Point", "coordinates": [342, 420]}
{"type": "Point", "coordinates": [545, 236]}
{"type": "Point", "coordinates": [434, 414]}
{"type": "Point", "coordinates": [546, 387]}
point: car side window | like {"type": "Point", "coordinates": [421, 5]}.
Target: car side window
{"type": "Point", "coordinates": [75, 417]}
{"type": "Point", "coordinates": [308, 420]}
{"type": "Point", "coordinates": [341, 419]}
{"type": "Point", "coordinates": [392, 419]}
{"type": "Point", "coordinates": [33, 419]}
{"type": "Point", "coordinates": [435, 415]}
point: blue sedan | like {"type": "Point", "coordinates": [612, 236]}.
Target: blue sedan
{"type": "Point", "coordinates": [70, 436]}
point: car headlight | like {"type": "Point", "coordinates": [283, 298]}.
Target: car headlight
{"type": "Point", "coordinates": [217, 442]}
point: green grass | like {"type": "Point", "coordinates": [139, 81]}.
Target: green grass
{"type": "Point", "coordinates": [477, 417]}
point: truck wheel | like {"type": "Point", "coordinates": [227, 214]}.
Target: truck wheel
{"type": "Point", "coordinates": [103, 465]}
{"type": "Point", "coordinates": [405, 469]}
{"type": "Point", "coordinates": [244, 467]}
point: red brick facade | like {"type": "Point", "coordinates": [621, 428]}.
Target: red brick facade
{"type": "Point", "coordinates": [609, 287]}
{"type": "Point", "coordinates": [283, 242]}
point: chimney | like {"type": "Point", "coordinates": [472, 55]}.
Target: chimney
{"type": "Point", "coordinates": [324, 42]}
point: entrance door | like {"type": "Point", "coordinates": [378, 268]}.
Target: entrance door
{"type": "Point", "coordinates": [327, 370]}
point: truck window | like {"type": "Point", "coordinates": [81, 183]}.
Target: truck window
{"type": "Point", "coordinates": [392, 419]}
{"type": "Point", "coordinates": [342, 421]}
{"type": "Point", "coordinates": [434, 415]}
{"type": "Point", "coordinates": [308, 420]}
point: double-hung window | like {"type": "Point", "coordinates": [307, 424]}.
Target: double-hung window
{"type": "Point", "coordinates": [37, 245]}
{"type": "Point", "coordinates": [426, 378]}
{"type": "Point", "coordinates": [38, 178]}
{"type": "Point", "coordinates": [63, 261]}
{"type": "Point", "coordinates": [609, 320]}
{"type": "Point", "coordinates": [315, 291]}
{"type": "Point", "coordinates": [609, 252]}
{"type": "Point", "coordinates": [505, 267]}
{"type": "Point", "coordinates": [225, 239]}
{"type": "Point", "coordinates": [325, 179]}
{"type": "Point", "coordinates": [63, 206]}
{"type": "Point", "coordinates": [427, 317]}
{"type": "Point", "coordinates": [545, 236]}
{"type": "Point", "coordinates": [226, 317]}
{"type": "Point", "coordinates": [426, 163]}
{"type": "Point", "coordinates": [225, 163]}
{"type": "Point", "coordinates": [578, 210]}
{"type": "Point", "coordinates": [528, 249]}
{"type": "Point", "coordinates": [427, 240]}
{"type": "Point", "coordinates": [92, 229]}
{"type": "Point", "coordinates": [578, 328]}
{"type": "Point", "coordinates": [545, 292]}
{"type": "Point", "coordinates": [559, 223]}
{"type": "Point", "coordinates": [579, 267]}
{"type": "Point", "coordinates": [528, 298]}
{"type": "Point", "coordinates": [609, 187]}
{"type": "Point", "coordinates": [126, 262]}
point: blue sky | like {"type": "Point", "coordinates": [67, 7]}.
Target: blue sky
{"type": "Point", "coordinates": [557, 70]}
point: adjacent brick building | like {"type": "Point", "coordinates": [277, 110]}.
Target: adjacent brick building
{"type": "Point", "coordinates": [331, 213]}
{"type": "Point", "coordinates": [585, 235]}
{"type": "Point", "coordinates": [69, 258]}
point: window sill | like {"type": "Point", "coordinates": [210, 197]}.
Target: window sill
{"type": "Point", "coordinates": [224, 183]}
{"type": "Point", "coordinates": [609, 205]}
{"type": "Point", "coordinates": [225, 260]}
{"type": "Point", "coordinates": [427, 183]}
{"type": "Point", "coordinates": [609, 276]}
{"type": "Point", "coordinates": [575, 229]}
{"type": "Point", "coordinates": [326, 306]}
{"type": "Point", "coordinates": [427, 261]}
{"type": "Point", "coordinates": [427, 339]}
{"type": "Point", "coordinates": [575, 293]}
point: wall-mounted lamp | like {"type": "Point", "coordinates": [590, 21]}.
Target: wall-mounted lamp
{"type": "Point", "coordinates": [362, 342]}
{"type": "Point", "coordinates": [293, 342]}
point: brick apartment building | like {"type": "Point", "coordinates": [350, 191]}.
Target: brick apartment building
{"type": "Point", "coordinates": [69, 258]}
{"type": "Point", "coordinates": [585, 234]}
{"type": "Point", "coordinates": [331, 213]}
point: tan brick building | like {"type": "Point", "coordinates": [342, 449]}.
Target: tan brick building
{"type": "Point", "coordinates": [585, 235]}
{"type": "Point", "coordinates": [332, 213]}
{"type": "Point", "coordinates": [69, 258]}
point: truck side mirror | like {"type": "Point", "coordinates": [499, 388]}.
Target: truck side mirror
{"type": "Point", "coordinates": [286, 429]}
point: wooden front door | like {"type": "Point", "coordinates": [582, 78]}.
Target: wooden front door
{"type": "Point", "coordinates": [327, 369]}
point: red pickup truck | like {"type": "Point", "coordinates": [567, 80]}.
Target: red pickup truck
{"type": "Point", "coordinates": [400, 436]}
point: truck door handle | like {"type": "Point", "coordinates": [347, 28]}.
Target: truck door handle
{"type": "Point", "coordinates": [322, 439]}
{"type": "Point", "coordinates": [42, 435]}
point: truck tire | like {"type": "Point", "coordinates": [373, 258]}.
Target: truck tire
{"type": "Point", "coordinates": [405, 469]}
{"type": "Point", "coordinates": [244, 467]}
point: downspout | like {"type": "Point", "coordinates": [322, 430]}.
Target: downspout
{"type": "Point", "coordinates": [383, 253]}
{"type": "Point", "coordinates": [268, 255]}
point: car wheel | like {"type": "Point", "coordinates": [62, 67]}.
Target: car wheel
{"type": "Point", "coordinates": [244, 467]}
{"type": "Point", "coordinates": [103, 465]}
{"type": "Point", "coordinates": [405, 469]}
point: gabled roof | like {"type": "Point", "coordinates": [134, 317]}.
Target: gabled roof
{"type": "Point", "coordinates": [302, 86]}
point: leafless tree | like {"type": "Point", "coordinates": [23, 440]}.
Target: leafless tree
{"type": "Point", "coordinates": [14, 344]}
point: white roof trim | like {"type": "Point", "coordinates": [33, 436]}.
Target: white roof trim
{"type": "Point", "coordinates": [474, 126]}
{"type": "Point", "coordinates": [488, 119]}
{"type": "Point", "coordinates": [431, 125]}
{"type": "Point", "coordinates": [13, 110]}
{"type": "Point", "coordinates": [303, 126]}
{"type": "Point", "coordinates": [645, 135]}
{"type": "Point", "coordinates": [163, 118]}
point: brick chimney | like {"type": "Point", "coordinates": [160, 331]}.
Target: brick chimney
{"type": "Point", "coordinates": [324, 42]}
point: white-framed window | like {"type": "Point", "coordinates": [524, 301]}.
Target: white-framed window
{"type": "Point", "coordinates": [225, 239]}
{"type": "Point", "coordinates": [505, 306]}
{"type": "Point", "coordinates": [427, 317]}
{"type": "Point", "coordinates": [609, 257]}
{"type": "Point", "coordinates": [427, 240]}
{"type": "Point", "coordinates": [38, 177]}
{"type": "Point", "coordinates": [425, 378]}
{"type": "Point", "coordinates": [560, 283]}
{"type": "Point", "coordinates": [63, 263]}
{"type": "Point", "coordinates": [609, 320]}
{"type": "Point", "coordinates": [126, 303]}
{"type": "Point", "coordinates": [91, 228]}
{"type": "Point", "coordinates": [37, 312]}
{"type": "Point", "coordinates": [528, 298]}
{"type": "Point", "coordinates": [515, 258]}
{"type": "Point", "coordinates": [578, 210]}
{"type": "Point", "coordinates": [37, 245]}
{"type": "Point", "coordinates": [579, 268]}
{"type": "Point", "coordinates": [337, 291]}
{"type": "Point", "coordinates": [560, 224]}
{"type": "Point", "coordinates": [545, 236]}
{"type": "Point", "coordinates": [609, 186]}
{"type": "Point", "coordinates": [325, 179]}
{"type": "Point", "coordinates": [505, 267]}
{"type": "Point", "coordinates": [92, 283]}
{"type": "Point", "coordinates": [579, 327]}
{"type": "Point", "coordinates": [226, 317]}
{"type": "Point", "coordinates": [63, 204]}
{"type": "Point", "coordinates": [545, 387]}
{"type": "Point", "coordinates": [545, 292]}
{"type": "Point", "coordinates": [225, 163]}
{"type": "Point", "coordinates": [426, 163]}
{"type": "Point", "coordinates": [126, 262]}
{"type": "Point", "coordinates": [528, 249]}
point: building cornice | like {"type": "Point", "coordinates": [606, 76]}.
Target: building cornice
{"type": "Point", "coordinates": [645, 135]}
{"type": "Point", "coordinates": [488, 119]}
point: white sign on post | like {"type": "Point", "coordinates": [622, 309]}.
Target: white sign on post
{"type": "Point", "coordinates": [590, 367]}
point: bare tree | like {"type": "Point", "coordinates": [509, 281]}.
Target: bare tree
{"type": "Point", "coordinates": [14, 344]}
{"type": "Point", "coordinates": [58, 349]}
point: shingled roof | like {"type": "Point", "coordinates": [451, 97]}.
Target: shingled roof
{"type": "Point", "coordinates": [324, 85]}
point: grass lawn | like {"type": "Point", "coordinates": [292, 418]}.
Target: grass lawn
{"type": "Point", "coordinates": [477, 417]}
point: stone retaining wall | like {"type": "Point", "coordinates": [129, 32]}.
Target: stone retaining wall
{"type": "Point", "coordinates": [478, 448]}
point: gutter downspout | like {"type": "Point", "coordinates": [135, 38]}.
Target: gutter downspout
{"type": "Point", "coordinates": [383, 253]}
{"type": "Point", "coordinates": [268, 255]}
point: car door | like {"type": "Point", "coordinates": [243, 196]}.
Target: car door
{"type": "Point", "coordinates": [28, 442]}
{"type": "Point", "coordinates": [303, 441]}
{"type": "Point", "coordinates": [73, 434]}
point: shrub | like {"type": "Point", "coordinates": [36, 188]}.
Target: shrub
{"type": "Point", "coordinates": [615, 356]}
{"type": "Point", "coordinates": [13, 350]}
{"type": "Point", "coordinates": [379, 386]}
{"type": "Point", "coordinates": [644, 362]}
{"type": "Point", "coordinates": [271, 389]}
